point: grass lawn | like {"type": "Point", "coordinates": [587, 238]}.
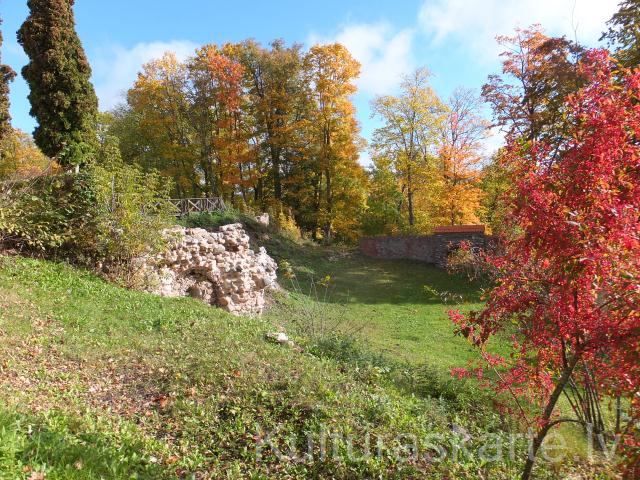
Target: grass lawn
{"type": "Point", "coordinates": [384, 302]}
{"type": "Point", "coordinates": [101, 382]}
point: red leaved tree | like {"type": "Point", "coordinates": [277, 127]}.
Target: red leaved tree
{"type": "Point", "coordinates": [569, 278]}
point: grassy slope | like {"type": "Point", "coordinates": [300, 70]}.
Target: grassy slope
{"type": "Point", "coordinates": [385, 301]}
{"type": "Point", "coordinates": [99, 382]}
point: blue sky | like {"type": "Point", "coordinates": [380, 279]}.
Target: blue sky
{"type": "Point", "coordinates": [453, 38]}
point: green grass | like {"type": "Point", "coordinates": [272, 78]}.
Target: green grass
{"type": "Point", "coordinates": [85, 361]}
{"type": "Point", "coordinates": [385, 301]}
{"type": "Point", "coordinates": [101, 382]}
{"type": "Point", "coordinates": [385, 306]}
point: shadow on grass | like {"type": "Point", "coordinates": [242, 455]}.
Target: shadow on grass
{"type": "Point", "coordinates": [63, 447]}
{"type": "Point", "coordinates": [369, 281]}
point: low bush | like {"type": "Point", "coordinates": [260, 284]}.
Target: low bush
{"type": "Point", "coordinates": [130, 211]}
{"type": "Point", "coordinates": [107, 214]}
{"type": "Point", "coordinates": [472, 262]}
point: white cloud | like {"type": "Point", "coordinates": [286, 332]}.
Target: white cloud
{"type": "Point", "coordinates": [115, 68]}
{"type": "Point", "coordinates": [475, 23]}
{"type": "Point", "coordinates": [384, 55]}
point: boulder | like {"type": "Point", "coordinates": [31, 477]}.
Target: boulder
{"type": "Point", "coordinates": [219, 268]}
{"type": "Point", "coordinates": [263, 219]}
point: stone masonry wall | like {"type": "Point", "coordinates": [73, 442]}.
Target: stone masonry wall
{"type": "Point", "coordinates": [432, 249]}
{"type": "Point", "coordinates": [219, 268]}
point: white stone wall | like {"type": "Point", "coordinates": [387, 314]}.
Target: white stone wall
{"type": "Point", "coordinates": [219, 268]}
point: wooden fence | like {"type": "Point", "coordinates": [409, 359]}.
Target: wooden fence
{"type": "Point", "coordinates": [185, 206]}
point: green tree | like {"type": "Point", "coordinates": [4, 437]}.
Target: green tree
{"type": "Point", "coordinates": [412, 122]}
{"type": "Point", "coordinates": [6, 76]}
{"type": "Point", "coordinates": [624, 33]}
{"type": "Point", "coordinates": [495, 185]}
{"type": "Point", "coordinates": [62, 98]}
{"type": "Point", "coordinates": [384, 202]}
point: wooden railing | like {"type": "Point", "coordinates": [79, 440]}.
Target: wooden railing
{"type": "Point", "coordinates": [185, 206]}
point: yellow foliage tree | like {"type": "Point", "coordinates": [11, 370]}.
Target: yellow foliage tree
{"type": "Point", "coordinates": [336, 177]}
{"type": "Point", "coordinates": [20, 157]}
{"type": "Point", "coordinates": [409, 138]}
{"type": "Point", "coordinates": [460, 158]}
{"type": "Point", "coordinates": [160, 107]}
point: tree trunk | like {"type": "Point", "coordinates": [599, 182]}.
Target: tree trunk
{"type": "Point", "coordinates": [412, 220]}
{"type": "Point", "coordinates": [277, 183]}
{"type": "Point", "coordinates": [548, 411]}
{"type": "Point", "coordinates": [410, 207]}
{"type": "Point", "coordinates": [329, 203]}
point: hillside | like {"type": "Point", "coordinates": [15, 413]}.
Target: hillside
{"type": "Point", "coordinates": [101, 382]}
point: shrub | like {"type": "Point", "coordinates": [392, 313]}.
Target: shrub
{"type": "Point", "coordinates": [7, 205]}
{"type": "Point", "coordinates": [282, 221]}
{"type": "Point", "coordinates": [287, 226]}
{"type": "Point", "coordinates": [106, 214]}
{"type": "Point", "coordinates": [472, 262]}
{"type": "Point", "coordinates": [47, 213]}
{"type": "Point", "coordinates": [130, 211]}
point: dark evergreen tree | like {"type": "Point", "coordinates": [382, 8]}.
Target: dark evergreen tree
{"type": "Point", "coordinates": [6, 75]}
{"type": "Point", "coordinates": [62, 97]}
{"type": "Point", "coordinates": [624, 33]}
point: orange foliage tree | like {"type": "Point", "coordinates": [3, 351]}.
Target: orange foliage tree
{"type": "Point", "coordinates": [460, 157]}
{"type": "Point", "coordinates": [273, 128]}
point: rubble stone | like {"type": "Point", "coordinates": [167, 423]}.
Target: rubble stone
{"type": "Point", "coordinates": [219, 268]}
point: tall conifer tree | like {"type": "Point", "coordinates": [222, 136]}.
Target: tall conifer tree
{"type": "Point", "coordinates": [62, 97]}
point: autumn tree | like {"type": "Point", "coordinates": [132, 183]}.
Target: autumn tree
{"type": "Point", "coordinates": [460, 156]}
{"type": "Point", "coordinates": [215, 121]}
{"type": "Point", "coordinates": [409, 135]}
{"type": "Point", "coordinates": [334, 175]}
{"type": "Point", "coordinates": [62, 98]}
{"type": "Point", "coordinates": [277, 106]}
{"type": "Point", "coordinates": [21, 158]}
{"type": "Point", "coordinates": [624, 33]}
{"type": "Point", "coordinates": [154, 128]}
{"type": "Point", "coordinates": [215, 99]}
{"type": "Point", "coordinates": [189, 121]}
{"type": "Point", "coordinates": [6, 76]}
{"type": "Point", "coordinates": [568, 289]}
{"type": "Point", "coordinates": [538, 73]}
{"type": "Point", "coordinates": [264, 127]}
{"type": "Point", "coordinates": [528, 102]}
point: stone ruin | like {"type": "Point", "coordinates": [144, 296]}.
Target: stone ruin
{"type": "Point", "coordinates": [219, 268]}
